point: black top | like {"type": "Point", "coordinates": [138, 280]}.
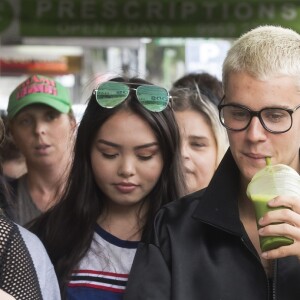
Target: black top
{"type": "Point", "coordinates": [201, 251]}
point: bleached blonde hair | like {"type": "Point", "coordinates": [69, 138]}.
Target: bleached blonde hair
{"type": "Point", "coordinates": [265, 52]}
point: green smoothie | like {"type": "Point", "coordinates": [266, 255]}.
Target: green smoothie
{"type": "Point", "coordinates": [261, 207]}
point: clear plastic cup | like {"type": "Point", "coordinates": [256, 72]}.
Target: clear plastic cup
{"type": "Point", "coordinates": [269, 182]}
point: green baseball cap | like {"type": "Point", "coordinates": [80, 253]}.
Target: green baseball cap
{"type": "Point", "coordinates": [39, 89]}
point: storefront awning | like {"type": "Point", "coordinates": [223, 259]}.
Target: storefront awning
{"type": "Point", "coordinates": [143, 18]}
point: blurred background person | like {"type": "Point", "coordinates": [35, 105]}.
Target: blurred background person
{"type": "Point", "coordinates": [42, 125]}
{"type": "Point", "coordinates": [13, 161]}
{"type": "Point", "coordinates": [26, 271]}
{"type": "Point", "coordinates": [204, 140]}
{"type": "Point", "coordinates": [210, 85]}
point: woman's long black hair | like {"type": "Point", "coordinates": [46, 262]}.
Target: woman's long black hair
{"type": "Point", "coordinates": [67, 229]}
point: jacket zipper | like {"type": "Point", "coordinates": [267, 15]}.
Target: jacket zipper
{"type": "Point", "coordinates": [273, 271]}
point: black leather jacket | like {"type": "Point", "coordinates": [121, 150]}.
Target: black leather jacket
{"type": "Point", "coordinates": [200, 250]}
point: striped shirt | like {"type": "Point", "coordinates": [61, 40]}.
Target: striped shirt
{"type": "Point", "coordinates": [103, 272]}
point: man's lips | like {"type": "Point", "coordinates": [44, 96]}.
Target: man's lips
{"type": "Point", "coordinates": [256, 155]}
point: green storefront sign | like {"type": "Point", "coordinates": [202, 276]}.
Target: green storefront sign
{"type": "Point", "coordinates": [151, 18]}
{"type": "Point", "coordinates": [6, 14]}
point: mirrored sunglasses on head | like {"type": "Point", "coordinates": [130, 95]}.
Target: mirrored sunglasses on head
{"type": "Point", "coordinates": [111, 93]}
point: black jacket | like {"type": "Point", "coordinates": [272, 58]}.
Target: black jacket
{"type": "Point", "coordinates": [201, 251]}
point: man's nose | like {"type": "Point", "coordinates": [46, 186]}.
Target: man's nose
{"type": "Point", "coordinates": [255, 130]}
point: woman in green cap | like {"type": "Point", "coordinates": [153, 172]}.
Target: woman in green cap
{"type": "Point", "coordinates": [42, 125]}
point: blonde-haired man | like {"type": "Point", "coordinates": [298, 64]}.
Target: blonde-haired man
{"type": "Point", "coordinates": [206, 245]}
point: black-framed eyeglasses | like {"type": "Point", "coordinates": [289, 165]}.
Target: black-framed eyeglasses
{"type": "Point", "coordinates": [111, 93]}
{"type": "Point", "coordinates": [237, 117]}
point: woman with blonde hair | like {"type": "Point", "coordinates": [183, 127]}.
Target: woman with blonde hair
{"type": "Point", "coordinates": [204, 139]}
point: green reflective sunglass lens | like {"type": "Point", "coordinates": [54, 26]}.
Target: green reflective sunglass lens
{"type": "Point", "coordinates": [111, 94]}
{"type": "Point", "coordinates": [153, 97]}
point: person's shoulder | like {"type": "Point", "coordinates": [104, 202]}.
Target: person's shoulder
{"type": "Point", "coordinates": [182, 207]}
{"type": "Point", "coordinates": [31, 239]}
{"type": "Point", "coordinates": [36, 249]}
{"type": "Point", "coordinates": [42, 263]}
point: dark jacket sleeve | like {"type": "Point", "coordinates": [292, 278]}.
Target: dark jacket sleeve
{"type": "Point", "coordinates": [153, 273]}
{"type": "Point", "coordinates": [149, 277]}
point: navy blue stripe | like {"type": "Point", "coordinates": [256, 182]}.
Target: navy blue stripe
{"type": "Point", "coordinates": [114, 240]}
{"type": "Point", "coordinates": [99, 279]}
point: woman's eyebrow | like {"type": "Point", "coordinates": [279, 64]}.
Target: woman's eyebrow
{"type": "Point", "coordinates": [108, 143]}
{"type": "Point", "coordinates": [146, 145]}
{"type": "Point", "coordinates": [120, 146]}
{"type": "Point", "coordinates": [193, 136]}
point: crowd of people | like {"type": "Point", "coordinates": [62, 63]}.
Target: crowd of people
{"type": "Point", "coordinates": [146, 198]}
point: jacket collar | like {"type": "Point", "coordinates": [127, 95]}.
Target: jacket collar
{"type": "Point", "coordinates": [219, 203]}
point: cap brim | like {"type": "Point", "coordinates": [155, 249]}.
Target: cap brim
{"type": "Point", "coordinates": [60, 106]}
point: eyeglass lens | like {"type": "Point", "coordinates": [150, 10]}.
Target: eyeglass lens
{"type": "Point", "coordinates": [239, 118]}
{"type": "Point", "coordinates": [154, 98]}
{"type": "Point", "coordinates": [110, 94]}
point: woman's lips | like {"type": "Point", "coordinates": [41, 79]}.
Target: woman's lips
{"type": "Point", "coordinates": [42, 149]}
{"type": "Point", "coordinates": [125, 188]}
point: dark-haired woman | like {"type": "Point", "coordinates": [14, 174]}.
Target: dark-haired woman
{"type": "Point", "coordinates": [126, 166]}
